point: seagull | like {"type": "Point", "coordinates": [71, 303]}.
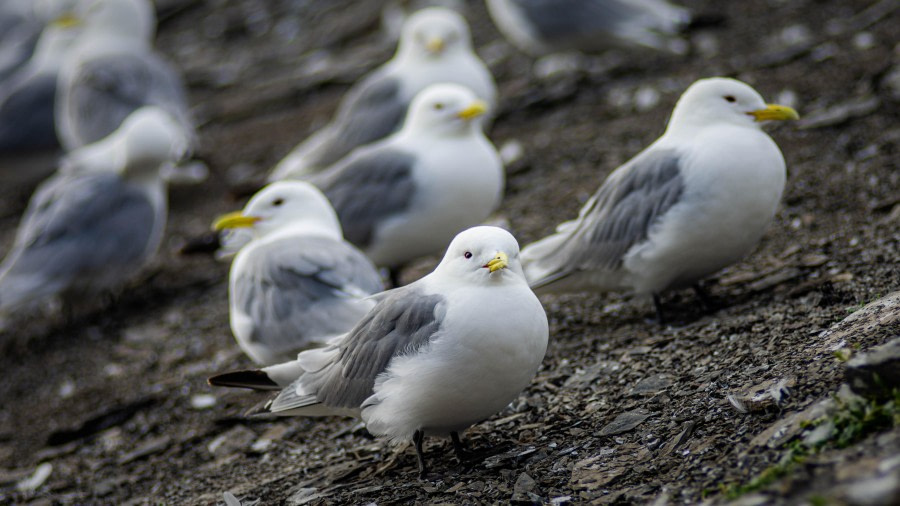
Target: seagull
{"type": "Point", "coordinates": [297, 282]}
{"type": "Point", "coordinates": [539, 27]}
{"type": "Point", "coordinates": [435, 46]}
{"type": "Point", "coordinates": [407, 195]}
{"type": "Point", "coordinates": [112, 71]}
{"type": "Point", "coordinates": [430, 358]}
{"type": "Point", "coordinates": [90, 230]}
{"type": "Point", "coordinates": [696, 200]}
{"type": "Point", "coordinates": [28, 95]}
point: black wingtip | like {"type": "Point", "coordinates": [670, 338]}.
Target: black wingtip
{"type": "Point", "coordinates": [206, 244]}
{"type": "Point", "coordinates": [253, 379]}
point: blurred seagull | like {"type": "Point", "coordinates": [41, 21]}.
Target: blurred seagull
{"type": "Point", "coordinates": [113, 71]}
{"type": "Point", "coordinates": [431, 358]}
{"type": "Point", "coordinates": [696, 200]}
{"type": "Point", "coordinates": [27, 97]}
{"type": "Point", "coordinates": [89, 230]}
{"type": "Point", "coordinates": [540, 27]}
{"type": "Point", "coordinates": [435, 46]}
{"type": "Point", "coordinates": [297, 282]}
{"type": "Point", "coordinates": [408, 195]}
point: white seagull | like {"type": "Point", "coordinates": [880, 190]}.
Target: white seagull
{"type": "Point", "coordinates": [435, 47]}
{"type": "Point", "coordinates": [696, 200]}
{"type": "Point", "coordinates": [408, 195]}
{"type": "Point", "coordinates": [539, 27]}
{"type": "Point", "coordinates": [297, 282]}
{"type": "Point", "coordinates": [89, 230]}
{"type": "Point", "coordinates": [431, 358]}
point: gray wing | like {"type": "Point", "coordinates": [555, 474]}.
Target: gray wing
{"type": "Point", "coordinates": [403, 321]}
{"type": "Point", "coordinates": [620, 215]}
{"type": "Point", "coordinates": [597, 24]}
{"type": "Point", "coordinates": [77, 228]}
{"type": "Point", "coordinates": [107, 89]}
{"type": "Point", "coordinates": [302, 288]}
{"type": "Point", "coordinates": [367, 188]}
{"type": "Point", "coordinates": [370, 112]}
{"type": "Point", "coordinates": [27, 114]}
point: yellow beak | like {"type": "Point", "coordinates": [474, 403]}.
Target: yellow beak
{"type": "Point", "coordinates": [500, 261]}
{"type": "Point", "coordinates": [475, 109]}
{"type": "Point", "coordinates": [67, 20]}
{"type": "Point", "coordinates": [774, 112]}
{"type": "Point", "coordinates": [435, 45]}
{"type": "Point", "coordinates": [234, 220]}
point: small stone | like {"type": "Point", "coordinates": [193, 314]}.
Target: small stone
{"type": "Point", "coordinates": [203, 401]}
{"type": "Point", "coordinates": [874, 491]}
{"type": "Point", "coordinates": [625, 422]}
{"type": "Point", "coordinates": [876, 372]}
{"type": "Point", "coordinates": [524, 486]}
{"type": "Point", "coordinates": [863, 41]}
{"type": "Point", "coordinates": [646, 98]}
{"type": "Point", "coordinates": [37, 478]}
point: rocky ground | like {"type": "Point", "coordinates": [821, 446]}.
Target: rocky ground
{"type": "Point", "coordinates": [742, 402]}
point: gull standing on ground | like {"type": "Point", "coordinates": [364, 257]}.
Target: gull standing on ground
{"type": "Point", "coordinates": [539, 27]}
{"type": "Point", "coordinates": [88, 231]}
{"type": "Point", "coordinates": [435, 46]}
{"type": "Point", "coordinates": [696, 200]}
{"type": "Point", "coordinates": [113, 71]}
{"type": "Point", "coordinates": [297, 283]}
{"type": "Point", "coordinates": [431, 358]}
{"type": "Point", "coordinates": [408, 195]}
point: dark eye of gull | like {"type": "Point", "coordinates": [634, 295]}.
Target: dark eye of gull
{"type": "Point", "coordinates": [278, 202]}
{"type": "Point", "coordinates": [438, 106]}
{"type": "Point", "coordinates": [468, 254]}
{"type": "Point", "coordinates": [730, 98]}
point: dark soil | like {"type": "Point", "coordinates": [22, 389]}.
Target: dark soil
{"type": "Point", "coordinates": [623, 410]}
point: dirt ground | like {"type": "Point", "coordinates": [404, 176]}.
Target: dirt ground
{"type": "Point", "coordinates": [623, 410]}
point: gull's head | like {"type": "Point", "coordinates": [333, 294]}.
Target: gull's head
{"type": "Point", "coordinates": [446, 108]}
{"type": "Point", "coordinates": [483, 255]}
{"type": "Point", "coordinates": [434, 33]}
{"type": "Point", "coordinates": [125, 19]}
{"type": "Point", "coordinates": [721, 100]}
{"type": "Point", "coordinates": [284, 204]}
{"type": "Point", "coordinates": [150, 137]}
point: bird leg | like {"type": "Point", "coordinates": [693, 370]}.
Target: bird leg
{"type": "Point", "coordinates": [459, 448]}
{"type": "Point", "coordinates": [657, 303]}
{"type": "Point", "coordinates": [418, 438]}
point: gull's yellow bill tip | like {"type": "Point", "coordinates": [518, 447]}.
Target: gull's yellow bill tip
{"type": "Point", "coordinates": [236, 219]}
{"type": "Point", "coordinates": [775, 112]}
{"type": "Point", "coordinates": [500, 261]}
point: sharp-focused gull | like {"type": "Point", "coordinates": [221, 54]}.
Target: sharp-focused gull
{"type": "Point", "coordinates": [696, 200]}
{"type": "Point", "coordinates": [88, 231]}
{"type": "Point", "coordinates": [431, 358]}
{"type": "Point", "coordinates": [408, 195]}
{"type": "Point", "coordinates": [27, 97]}
{"type": "Point", "coordinates": [539, 27]}
{"type": "Point", "coordinates": [113, 71]}
{"type": "Point", "coordinates": [297, 282]}
{"type": "Point", "coordinates": [435, 47]}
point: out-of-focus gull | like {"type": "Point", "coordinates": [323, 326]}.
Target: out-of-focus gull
{"type": "Point", "coordinates": [113, 71]}
{"type": "Point", "coordinates": [297, 282]}
{"type": "Point", "coordinates": [431, 358]}
{"type": "Point", "coordinates": [408, 195]}
{"type": "Point", "coordinates": [90, 230]}
{"type": "Point", "coordinates": [435, 47]}
{"type": "Point", "coordinates": [540, 27]}
{"type": "Point", "coordinates": [696, 200]}
{"type": "Point", "coordinates": [27, 97]}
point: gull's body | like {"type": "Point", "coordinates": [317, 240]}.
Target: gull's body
{"type": "Point", "coordinates": [435, 47]}
{"type": "Point", "coordinates": [89, 231]}
{"type": "Point", "coordinates": [113, 71]}
{"type": "Point", "coordinates": [539, 27]}
{"type": "Point", "coordinates": [432, 357]}
{"type": "Point", "coordinates": [696, 200]}
{"type": "Point", "coordinates": [297, 283]}
{"type": "Point", "coordinates": [408, 195]}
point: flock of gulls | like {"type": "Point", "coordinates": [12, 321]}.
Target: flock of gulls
{"type": "Point", "coordinates": [403, 170]}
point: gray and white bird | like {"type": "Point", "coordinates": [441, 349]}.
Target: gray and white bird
{"type": "Point", "coordinates": [297, 283]}
{"type": "Point", "coordinates": [539, 27]}
{"type": "Point", "coordinates": [112, 71]}
{"type": "Point", "coordinates": [408, 195]}
{"type": "Point", "coordinates": [89, 230]}
{"type": "Point", "coordinates": [431, 358]}
{"type": "Point", "coordinates": [435, 47]}
{"type": "Point", "coordinates": [696, 200]}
